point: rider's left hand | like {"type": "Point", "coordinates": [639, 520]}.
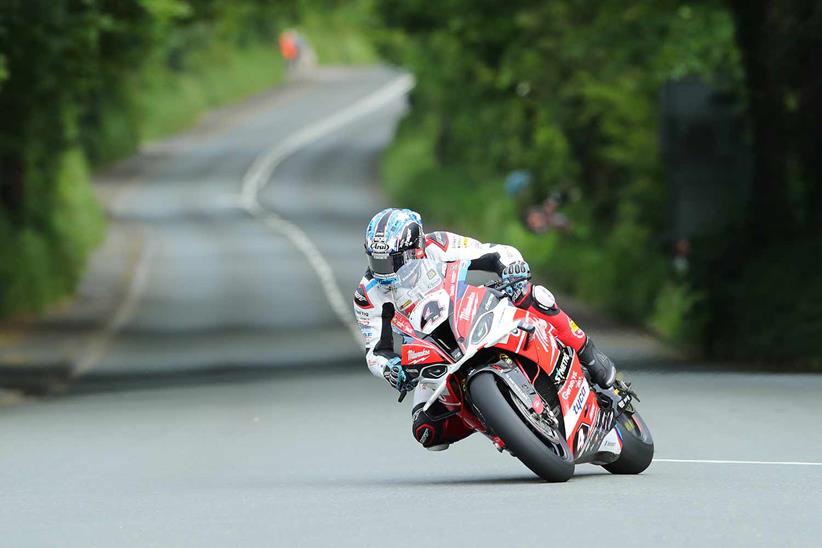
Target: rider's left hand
{"type": "Point", "coordinates": [398, 377]}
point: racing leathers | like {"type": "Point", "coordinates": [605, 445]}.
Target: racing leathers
{"type": "Point", "coordinates": [374, 310]}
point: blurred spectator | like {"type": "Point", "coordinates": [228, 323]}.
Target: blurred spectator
{"type": "Point", "coordinates": [517, 181]}
{"type": "Point", "coordinates": [682, 252]}
{"type": "Point", "coordinates": [291, 45]}
{"type": "Point", "coordinates": [541, 218]}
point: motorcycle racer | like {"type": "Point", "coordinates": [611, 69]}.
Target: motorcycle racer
{"type": "Point", "coordinates": [395, 236]}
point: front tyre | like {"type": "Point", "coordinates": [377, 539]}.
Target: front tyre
{"type": "Point", "coordinates": [637, 445]}
{"type": "Point", "coordinates": [506, 423]}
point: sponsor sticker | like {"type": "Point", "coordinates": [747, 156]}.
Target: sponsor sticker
{"type": "Point", "coordinates": [580, 401]}
{"type": "Point", "coordinates": [542, 333]}
{"type": "Point", "coordinates": [416, 357]}
{"type": "Point", "coordinates": [574, 381]}
{"type": "Point", "coordinates": [361, 298]}
{"type": "Point", "coordinates": [465, 313]}
{"type": "Point", "coordinates": [562, 369]}
{"type": "Point", "coordinates": [575, 329]}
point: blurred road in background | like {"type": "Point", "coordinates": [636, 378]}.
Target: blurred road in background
{"type": "Point", "coordinates": [161, 441]}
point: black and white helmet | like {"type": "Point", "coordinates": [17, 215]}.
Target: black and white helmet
{"type": "Point", "coordinates": [393, 237]}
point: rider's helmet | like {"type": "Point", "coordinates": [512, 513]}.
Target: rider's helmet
{"type": "Point", "coordinates": [393, 237]}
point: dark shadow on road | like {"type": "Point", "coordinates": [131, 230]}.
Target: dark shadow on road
{"type": "Point", "coordinates": [456, 482]}
{"type": "Point", "coordinates": [97, 383]}
{"type": "Point", "coordinates": [524, 478]}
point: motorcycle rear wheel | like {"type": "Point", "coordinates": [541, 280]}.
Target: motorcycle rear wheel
{"type": "Point", "coordinates": [637, 446]}
{"type": "Point", "coordinates": [487, 395]}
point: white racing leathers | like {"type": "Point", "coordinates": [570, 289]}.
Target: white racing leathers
{"type": "Point", "coordinates": [374, 307]}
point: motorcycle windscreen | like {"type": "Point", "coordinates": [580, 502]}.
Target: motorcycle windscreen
{"type": "Point", "coordinates": [474, 316]}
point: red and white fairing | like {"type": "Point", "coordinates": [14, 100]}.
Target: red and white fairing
{"type": "Point", "coordinates": [479, 320]}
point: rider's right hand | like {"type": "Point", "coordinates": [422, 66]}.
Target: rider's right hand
{"type": "Point", "coordinates": [516, 277]}
{"type": "Point", "coordinates": [397, 376]}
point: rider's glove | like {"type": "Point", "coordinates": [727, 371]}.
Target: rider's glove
{"type": "Point", "coordinates": [518, 274]}
{"type": "Point", "coordinates": [398, 377]}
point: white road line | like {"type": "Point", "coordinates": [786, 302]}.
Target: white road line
{"type": "Point", "coordinates": [709, 461]}
{"type": "Point", "coordinates": [99, 344]}
{"type": "Point", "coordinates": [259, 174]}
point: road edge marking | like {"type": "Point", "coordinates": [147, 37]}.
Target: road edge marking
{"type": "Point", "coordinates": [259, 174]}
{"type": "Point", "coordinates": [755, 462]}
{"type": "Point", "coordinates": [97, 347]}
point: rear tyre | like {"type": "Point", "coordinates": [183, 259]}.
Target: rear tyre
{"type": "Point", "coordinates": [500, 417]}
{"type": "Point", "coordinates": [637, 446]}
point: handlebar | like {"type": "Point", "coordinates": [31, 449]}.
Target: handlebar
{"type": "Point", "coordinates": [500, 284]}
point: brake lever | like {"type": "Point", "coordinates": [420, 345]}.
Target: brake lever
{"type": "Point", "coordinates": [402, 396]}
{"type": "Point", "coordinates": [499, 284]}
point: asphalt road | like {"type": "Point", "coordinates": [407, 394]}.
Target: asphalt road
{"type": "Point", "coordinates": [305, 448]}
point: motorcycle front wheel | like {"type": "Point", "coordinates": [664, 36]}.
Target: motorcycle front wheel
{"type": "Point", "coordinates": [490, 399]}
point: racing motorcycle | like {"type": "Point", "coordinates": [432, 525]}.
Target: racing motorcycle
{"type": "Point", "coordinates": [501, 370]}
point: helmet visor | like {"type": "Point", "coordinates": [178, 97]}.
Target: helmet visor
{"type": "Point", "coordinates": [383, 266]}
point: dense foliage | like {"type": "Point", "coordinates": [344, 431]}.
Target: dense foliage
{"type": "Point", "coordinates": [569, 90]}
{"type": "Point", "coordinates": [83, 82]}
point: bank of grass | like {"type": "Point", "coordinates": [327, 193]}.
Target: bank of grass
{"type": "Point", "coordinates": [340, 36]}
{"type": "Point", "coordinates": [171, 101]}
{"type": "Point", "coordinates": [39, 265]}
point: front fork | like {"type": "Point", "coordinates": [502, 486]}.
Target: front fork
{"type": "Point", "coordinates": [616, 400]}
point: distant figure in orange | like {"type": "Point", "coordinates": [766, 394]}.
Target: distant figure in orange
{"type": "Point", "coordinates": [290, 46]}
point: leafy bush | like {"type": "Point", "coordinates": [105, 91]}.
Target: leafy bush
{"type": "Point", "coordinates": [40, 265]}
{"type": "Point", "coordinates": [85, 82]}
{"type": "Point", "coordinates": [571, 95]}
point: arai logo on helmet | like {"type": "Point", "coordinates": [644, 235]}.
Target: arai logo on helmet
{"type": "Point", "coordinates": [379, 245]}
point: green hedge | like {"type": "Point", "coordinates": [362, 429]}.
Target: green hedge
{"type": "Point", "coordinates": [83, 84]}
{"type": "Point", "coordinates": [570, 93]}
{"type": "Point", "coordinates": [39, 265]}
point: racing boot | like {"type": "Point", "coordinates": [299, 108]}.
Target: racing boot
{"type": "Point", "coordinates": [600, 368]}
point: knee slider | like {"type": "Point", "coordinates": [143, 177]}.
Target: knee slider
{"type": "Point", "coordinates": [425, 430]}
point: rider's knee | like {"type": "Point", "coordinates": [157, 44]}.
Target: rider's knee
{"type": "Point", "coordinates": [426, 431]}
